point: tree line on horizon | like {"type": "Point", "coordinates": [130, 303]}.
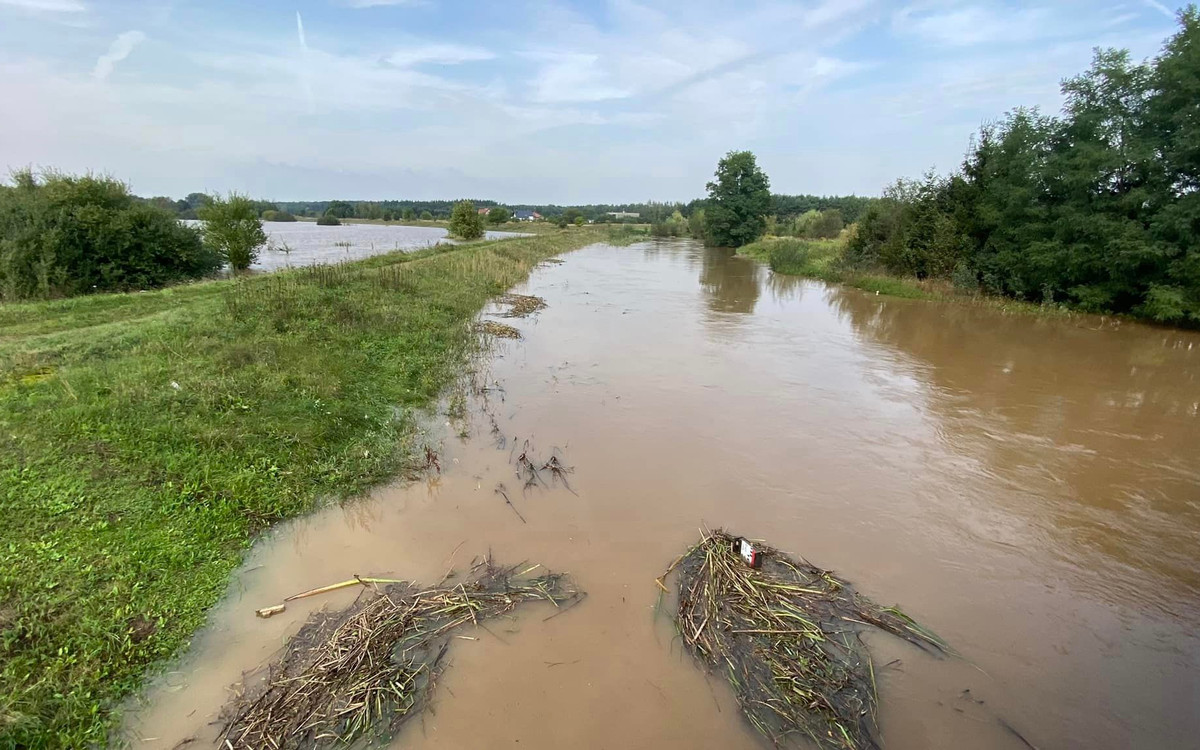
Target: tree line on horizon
{"type": "Point", "coordinates": [851, 207]}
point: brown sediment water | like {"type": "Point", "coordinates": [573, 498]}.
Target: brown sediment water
{"type": "Point", "coordinates": [1026, 487]}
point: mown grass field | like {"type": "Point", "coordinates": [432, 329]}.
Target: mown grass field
{"type": "Point", "coordinates": [145, 439]}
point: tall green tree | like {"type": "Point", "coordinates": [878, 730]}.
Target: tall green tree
{"type": "Point", "coordinates": [498, 215]}
{"type": "Point", "coordinates": [739, 200]}
{"type": "Point", "coordinates": [232, 229]}
{"type": "Point", "coordinates": [1172, 119]}
{"type": "Point", "coordinates": [465, 221]}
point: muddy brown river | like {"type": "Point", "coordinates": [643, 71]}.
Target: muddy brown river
{"type": "Point", "coordinates": [1028, 488]}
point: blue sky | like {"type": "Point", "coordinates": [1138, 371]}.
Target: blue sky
{"type": "Point", "coordinates": [560, 101]}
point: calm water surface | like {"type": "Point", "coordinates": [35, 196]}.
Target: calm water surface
{"type": "Point", "coordinates": [1027, 488]}
{"type": "Point", "coordinates": [308, 244]}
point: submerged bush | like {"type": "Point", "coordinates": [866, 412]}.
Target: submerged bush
{"type": "Point", "coordinates": [328, 220]}
{"type": "Point", "coordinates": [63, 235]}
{"type": "Point", "coordinates": [465, 221]}
{"type": "Point", "coordinates": [232, 229]}
{"type": "Point", "coordinates": [270, 215]}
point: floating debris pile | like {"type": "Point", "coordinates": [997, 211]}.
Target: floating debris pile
{"type": "Point", "coordinates": [363, 671]}
{"type": "Point", "coordinates": [499, 330]}
{"type": "Point", "coordinates": [786, 635]}
{"type": "Point", "coordinates": [520, 305]}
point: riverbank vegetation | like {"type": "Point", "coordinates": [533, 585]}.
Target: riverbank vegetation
{"type": "Point", "coordinates": [145, 439]}
{"type": "Point", "coordinates": [1096, 210]}
{"type": "Point", "coordinates": [62, 235]}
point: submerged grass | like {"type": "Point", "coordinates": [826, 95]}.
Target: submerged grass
{"type": "Point", "coordinates": [145, 439]}
{"type": "Point", "coordinates": [821, 259]}
{"type": "Point", "coordinates": [366, 670]}
{"type": "Point", "coordinates": [787, 637]}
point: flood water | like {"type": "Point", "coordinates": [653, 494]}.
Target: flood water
{"type": "Point", "coordinates": [305, 243]}
{"type": "Point", "coordinates": [1027, 488]}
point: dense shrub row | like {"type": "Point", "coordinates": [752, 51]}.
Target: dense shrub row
{"type": "Point", "coordinates": [62, 235]}
{"type": "Point", "coordinates": [1098, 208]}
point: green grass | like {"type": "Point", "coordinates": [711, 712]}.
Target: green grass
{"type": "Point", "coordinates": [145, 439]}
{"type": "Point", "coordinates": [798, 257]}
{"type": "Point", "coordinates": [893, 286]}
{"type": "Point", "coordinates": [820, 259]}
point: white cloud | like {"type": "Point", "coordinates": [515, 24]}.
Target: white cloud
{"type": "Point", "coordinates": [573, 77]}
{"type": "Point", "coordinates": [47, 6]}
{"type": "Point", "coordinates": [117, 51]}
{"type": "Point", "coordinates": [978, 24]}
{"type": "Point", "coordinates": [438, 54]}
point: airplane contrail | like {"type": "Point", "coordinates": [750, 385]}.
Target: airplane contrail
{"type": "Point", "coordinates": [305, 81]}
{"type": "Point", "coordinates": [1160, 8]}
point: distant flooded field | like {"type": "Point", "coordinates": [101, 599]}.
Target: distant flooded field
{"type": "Point", "coordinates": [304, 243]}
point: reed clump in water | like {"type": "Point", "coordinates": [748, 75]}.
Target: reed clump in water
{"type": "Point", "coordinates": [787, 637]}
{"type": "Point", "coordinates": [367, 669]}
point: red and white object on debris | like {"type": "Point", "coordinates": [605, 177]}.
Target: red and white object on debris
{"type": "Point", "coordinates": [751, 555]}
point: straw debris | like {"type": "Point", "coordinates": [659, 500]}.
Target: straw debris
{"type": "Point", "coordinates": [787, 637]}
{"type": "Point", "coordinates": [521, 305]}
{"type": "Point", "coordinates": [364, 671]}
{"type": "Point", "coordinates": [499, 330]}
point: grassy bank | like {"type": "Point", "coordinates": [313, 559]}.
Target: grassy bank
{"type": "Point", "coordinates": [146, 438]}
{"type": "Point", "coordinates": [821, 259]}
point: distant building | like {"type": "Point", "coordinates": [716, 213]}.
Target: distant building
{"type": "Point", "coordinates": [526, 215]}
{"type": "Point", "coordinates": [624, 215]}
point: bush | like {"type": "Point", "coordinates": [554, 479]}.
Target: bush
{"type": "Point", "coordinates": [828, 224]}
{"type": "Point", "coordinates": [328, 220]}
{"type": "Point", "coordinates": [232, 229]}
{"type": "Point", "coordinates": [798, 257]}
{"type": "Point", "coordinates": [696, 224]}
{"type": "Point", "coordinates": [498, 215]}
{"type": "Point", "coordinates": [277, 216]}
{"type": "Point", "coordinates": [465, 221]}
{"type": "Point", "coordinates": [674, 226]}
{"type": "Point", "coordinates": [62, 235]}
{"type": "Point", "coordinates": [426, 216]}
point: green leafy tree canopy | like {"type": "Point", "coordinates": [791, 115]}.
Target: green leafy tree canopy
{"type": "Point", "coordinates": [739, 200]}
{"type": "Point", "coordinates": [232, 228]}
{"type": "Point", "coordinates": [465, 221]}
